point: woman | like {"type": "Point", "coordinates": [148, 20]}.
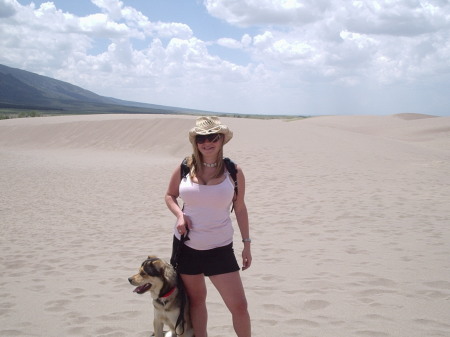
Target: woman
{"type": "Point", "coordinates": [208, 194]}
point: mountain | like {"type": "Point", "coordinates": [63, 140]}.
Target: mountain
{"type": "Point", "coordinates": [20, 89]}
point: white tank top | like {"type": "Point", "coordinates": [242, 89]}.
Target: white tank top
{"type": "Point", "coordinates": [208, 207]}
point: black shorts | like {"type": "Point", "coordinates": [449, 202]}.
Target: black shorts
{"type": "Point", "coordinates": [209, 262]}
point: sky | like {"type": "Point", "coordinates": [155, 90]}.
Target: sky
{"type": "Point", "coordinates": [280, 57]}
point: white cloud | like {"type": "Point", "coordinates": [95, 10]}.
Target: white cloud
{"type": "Point", "coordinates": [229, 43]}
{"type": "Point", "coordinates": [397, 18]}
{"type": "Point", "coordinates": [303, 51]}
{"type": "Point", "coordinates": [282, 12]}
{"type": "Point", "coordinates": [100, 25]}
{"type": "Point", "coordinates": [112, 7]}
{"type": "Point", "coordinates": [133, 18]}
{"type": "Point", "coordinates": [351, 41]}
{"type": "Point", "coordinates": [246, 40]}
{"type": "Point", "coordinates": [172, 29]}
{"type": "Point", "coordinates": [7, 8]}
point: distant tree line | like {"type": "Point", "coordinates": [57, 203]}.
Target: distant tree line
{"type": "Point", "coordinates": [21, 114]}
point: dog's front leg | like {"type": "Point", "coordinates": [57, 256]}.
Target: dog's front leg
{"type": "Point", "coordinates": [158, 327]}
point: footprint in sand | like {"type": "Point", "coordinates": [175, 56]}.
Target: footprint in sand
{"type": "Point", "coordinates": [302, 322]}
{"type": "Point", "coordinates": [11, 333]}
{"type": "Point", "coordinates": [431, 323]}
{"type": "Point", "coordinates": [438, 284]}
{"type": "Point", "coordinates": [316, 304]}
{"type": "Point", "coordinates": [371, 333]}
{"type": "Point", "coordinates": [56, 306]}
{"type": "Point", "coordinates": [5, 308]}
{"type": "Point", "coordinates": [275, 308]}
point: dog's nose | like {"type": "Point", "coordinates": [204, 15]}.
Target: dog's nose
{"type": "Point", "coordinates": [129, 279]}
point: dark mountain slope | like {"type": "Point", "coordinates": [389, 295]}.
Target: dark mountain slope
{"type": "Point", "coordinates": [20, 89]}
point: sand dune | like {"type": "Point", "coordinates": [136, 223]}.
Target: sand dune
{"type": "Point", "coordinates": [350, 220]}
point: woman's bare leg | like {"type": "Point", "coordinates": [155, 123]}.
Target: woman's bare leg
{"type": "Point", "coordinates": [196, 290]}
{"type": "Point", "coordinates": [232, 291]}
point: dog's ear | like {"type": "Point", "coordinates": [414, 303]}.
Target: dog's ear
{"type": "Point", "coordinates": [151, 267]}
{"type": "Point", "coordinates": [151, 257]}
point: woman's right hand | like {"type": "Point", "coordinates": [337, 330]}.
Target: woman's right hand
{"type": "Point", "coordinates": [183, 223]}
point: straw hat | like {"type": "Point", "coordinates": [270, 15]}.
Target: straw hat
{"type": "Point", "coordinates": [207, 125]}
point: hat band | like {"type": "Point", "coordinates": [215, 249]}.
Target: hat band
{"type": "Point", "coordinates": [215, 129]}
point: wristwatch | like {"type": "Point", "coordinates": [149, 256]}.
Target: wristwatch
{"type": "Point", "coordinates": [247, 240]}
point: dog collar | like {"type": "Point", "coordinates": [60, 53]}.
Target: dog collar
{"type": "Point", "coordinates": [161, 300]}
{"type": "Point", "coordinates": [169, 293]}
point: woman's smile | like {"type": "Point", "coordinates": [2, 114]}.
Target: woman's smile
{"type": "Point", "coordinates": [210, 147]}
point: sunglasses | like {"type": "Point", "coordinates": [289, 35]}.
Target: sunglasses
{"type": "Point", "coordinates": [212, 138]}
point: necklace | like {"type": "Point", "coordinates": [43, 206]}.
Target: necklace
{"type": "Point", "coordinates": [210, 165]}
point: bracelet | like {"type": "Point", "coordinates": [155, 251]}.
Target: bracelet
{"type": "Point", "coordinates": [247, 240]}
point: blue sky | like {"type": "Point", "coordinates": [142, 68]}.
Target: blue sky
{"type": "Point", "coordinates": [310, 57]}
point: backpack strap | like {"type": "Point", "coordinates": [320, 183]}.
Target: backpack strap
{"type": "Point", "coordinates": [184, 169]}
{"type": "Point", "coordinates": [231, 167]}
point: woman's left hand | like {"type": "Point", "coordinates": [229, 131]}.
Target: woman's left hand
{"type": "Point", "coordinates": [246, 258]}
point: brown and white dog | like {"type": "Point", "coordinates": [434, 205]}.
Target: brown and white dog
{"type": "Point", "coordinates": [160, 279]}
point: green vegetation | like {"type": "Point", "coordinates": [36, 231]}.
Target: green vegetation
{"type": "Point", "coordinates": [16, 113]}
{"type": "Point", "coordinates": [22, 113]}
{"type": "Point", "coordinates": [257, 116]}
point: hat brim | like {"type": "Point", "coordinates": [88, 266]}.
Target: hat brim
{"type": "Point", "coordinates": [227, 133]}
